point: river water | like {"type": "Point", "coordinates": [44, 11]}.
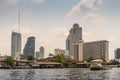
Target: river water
{"type": "Point", "coordinates": [60, 74]}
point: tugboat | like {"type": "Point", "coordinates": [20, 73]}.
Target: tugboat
{"type": "Point", "coordinates": [97, 65]}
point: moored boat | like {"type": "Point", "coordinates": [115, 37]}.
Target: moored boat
{"type": "Point", "coordinates": [96, 65]}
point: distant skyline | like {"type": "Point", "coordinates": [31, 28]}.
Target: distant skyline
{"type": "Point", "coordinates": [50, 21]}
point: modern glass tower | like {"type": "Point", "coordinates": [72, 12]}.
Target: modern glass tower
{"type": "Point", "coordinates": [29, 48]}
{"type": "Point", "coordinates": [15, 44]}
{"type": "Point", "coordinates": [75, 35]}
{"type": "Point", "coordinates": [117, 53]}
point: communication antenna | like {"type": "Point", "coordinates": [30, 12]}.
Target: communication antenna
{"type": "Point", "coordinates": [19, 20]}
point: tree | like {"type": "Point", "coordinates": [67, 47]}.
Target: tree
{"type": "Point", "coordinates": [60, 58]}
{"type": "Point", "coordinates": [90, 59]}
{"type": "Point", "coordinates": [30, 57]}
{"type": "Point", "coordinates": [9, 61]}
{"type": "Point", "coordinates": [114, 62]}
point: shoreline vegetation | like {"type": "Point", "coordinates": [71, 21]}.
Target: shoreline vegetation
{"type": "Point", "coordinates": [58, 61]}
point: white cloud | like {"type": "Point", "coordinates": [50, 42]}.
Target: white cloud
{"type": "Point", "coordinates": [85, 6]}
{"type": "Point", "coordinates": [99, 20]}
{"type": "Point", "coordinates": [38, 1]}
{"type": "Point", "coordinates": [95, 18]}
{"type": "Point", "coordinates": [4, 3]}
{"type": "Point", "coordinates": [90, 9]}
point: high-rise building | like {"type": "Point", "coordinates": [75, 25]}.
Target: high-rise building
{"type": "Point", "coordinates": [75, 35]}
{"type": "Point", "coordinates": [117, 53]}
{"type": "Point", "coordinates": [37, 54]}
{"type": "Point", "coordinates": [42, 52]}
{"type": "Point", "coordinates": [29, 48]}
{"type": "Point", "coordinates": [97, 50]}
{"type": "Point", "coordinates": [59, 51]}
{"type": "Point", "coordinates": [15, 44]}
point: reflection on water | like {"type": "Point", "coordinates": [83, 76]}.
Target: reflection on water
{"type": "Point", "coordinates": [60, 74]}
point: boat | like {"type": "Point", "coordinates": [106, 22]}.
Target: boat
{"type": "Point", "coordinates": [97, 65]}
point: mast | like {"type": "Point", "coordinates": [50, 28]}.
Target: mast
{"type": "Point", "coordinates": [19, 20]}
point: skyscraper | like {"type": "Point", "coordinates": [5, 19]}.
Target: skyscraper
{"type": "Point", "coordinates": [75, 35]}
{"type": "Point", "coordinates": [117, 53]}
{"type": "Point", "coordinates": [15, 44]}
{"type": "Point", "coordinates": [29, 48]}
{"type": "Point", "coordinates": [42, 52]}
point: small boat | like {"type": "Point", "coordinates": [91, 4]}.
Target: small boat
{"type": "Point", "coordinates": [96, 65]}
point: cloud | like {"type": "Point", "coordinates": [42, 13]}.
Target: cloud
{"type": "Point", "coordinates": [38, 1]}
{"type": "Point", "coordinates": [85, 6]}
{"type": "Point", "coordinates": [99, 20]}
{"type": "Point", "coordinates": [90, 9]}
{"type": "Point", "coordinates": [4, 3]}
{"type": "Point", "coordinates": [95, 18]}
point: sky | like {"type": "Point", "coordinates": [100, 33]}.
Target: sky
{"type": "Point", "coordinates": [50, 21]}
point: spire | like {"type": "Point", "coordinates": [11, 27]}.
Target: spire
{"type": "Point", "coordinates": [19, 20]}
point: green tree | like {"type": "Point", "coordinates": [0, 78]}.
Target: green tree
{"type": "Point", "coordinates": [90, 59]}
{"type": "Point", "coordinates": [30, 57]}
{"type": "Point", "coordinates": [60, 58]}
{"type": "Point", "coordinates": [114, 62]}
{"type": "Point", "coordinates": [9, 61]}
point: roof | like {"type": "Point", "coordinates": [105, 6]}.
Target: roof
{"type": "Point", "coordinates": [48, 63]}
{"type": "Point", "coordinates": [24, 61]}
{"type": "Point", "coordinates": [96, 41]}
{"type": "Point", "coordinates": [97, 60]}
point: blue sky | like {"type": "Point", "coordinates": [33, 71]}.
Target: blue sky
{"type": "Point", "coordinates": [50, 20]}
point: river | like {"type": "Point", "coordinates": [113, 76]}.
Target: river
{"type": "Point", "coordinates": [59, 74]}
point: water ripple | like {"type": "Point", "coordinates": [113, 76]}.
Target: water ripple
{"type": "Point", "coordinates": [60, 74]}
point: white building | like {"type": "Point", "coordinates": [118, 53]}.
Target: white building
{"type": "Point", "coordinates": [15, 44]}
{"type": "Point", "coordinates": [59, 51]}
{"type": "Point", "coordinates": [42, 52]}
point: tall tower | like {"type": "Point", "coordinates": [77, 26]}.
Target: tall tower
{"type": "Point", "coordinates": [16, 41]}
{"type": "Point", "coordinates": [29, 48]}
{"type": "Point", "coordinates": [75, 35]}
{"type": "Point", "coordinates": [15, 44]}
{"type": "Point", "coordinates": [42, 52]}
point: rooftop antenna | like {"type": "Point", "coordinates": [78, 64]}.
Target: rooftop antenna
{"type": "Point", "coordinates": [19, 20]}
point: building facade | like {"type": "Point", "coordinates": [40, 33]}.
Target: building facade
{"type": "Point", "coordinates": [29, 48]}
{"type": "Point", "coordinates": [15, 44]}
{"type": "Point", "coordinates": [75, 35]}
{"type": "Point", "coordinates": [59, 51]}
{"type": "Point", "coordinates": [97, 50]}
{"type": "Point", "coordinates": [117, 53]}
{"type": "Point", "coordinates": [37, 54]}
{"type": "Point", "coordinates": [42, 50]}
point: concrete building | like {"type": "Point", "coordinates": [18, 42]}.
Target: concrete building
{"type": "Point", "coordinates": [15, 44]}
{"type": "Point", "coordinates": [117, 53]}
{"type": "Point", "coordinates": [97, 49]}
{"type": "Point", "coordinates": [78, 51]}
{"type": "Point", "coordinates": [29, 48]}
{"type": "Point", "coordinates": [59, 51]}
{"type": "Point", "coordinates": [37, 54]}
{"type": "Point", "coordinates": [42, 50]}
{"type": "Point", "coordinates": [75, 35]}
